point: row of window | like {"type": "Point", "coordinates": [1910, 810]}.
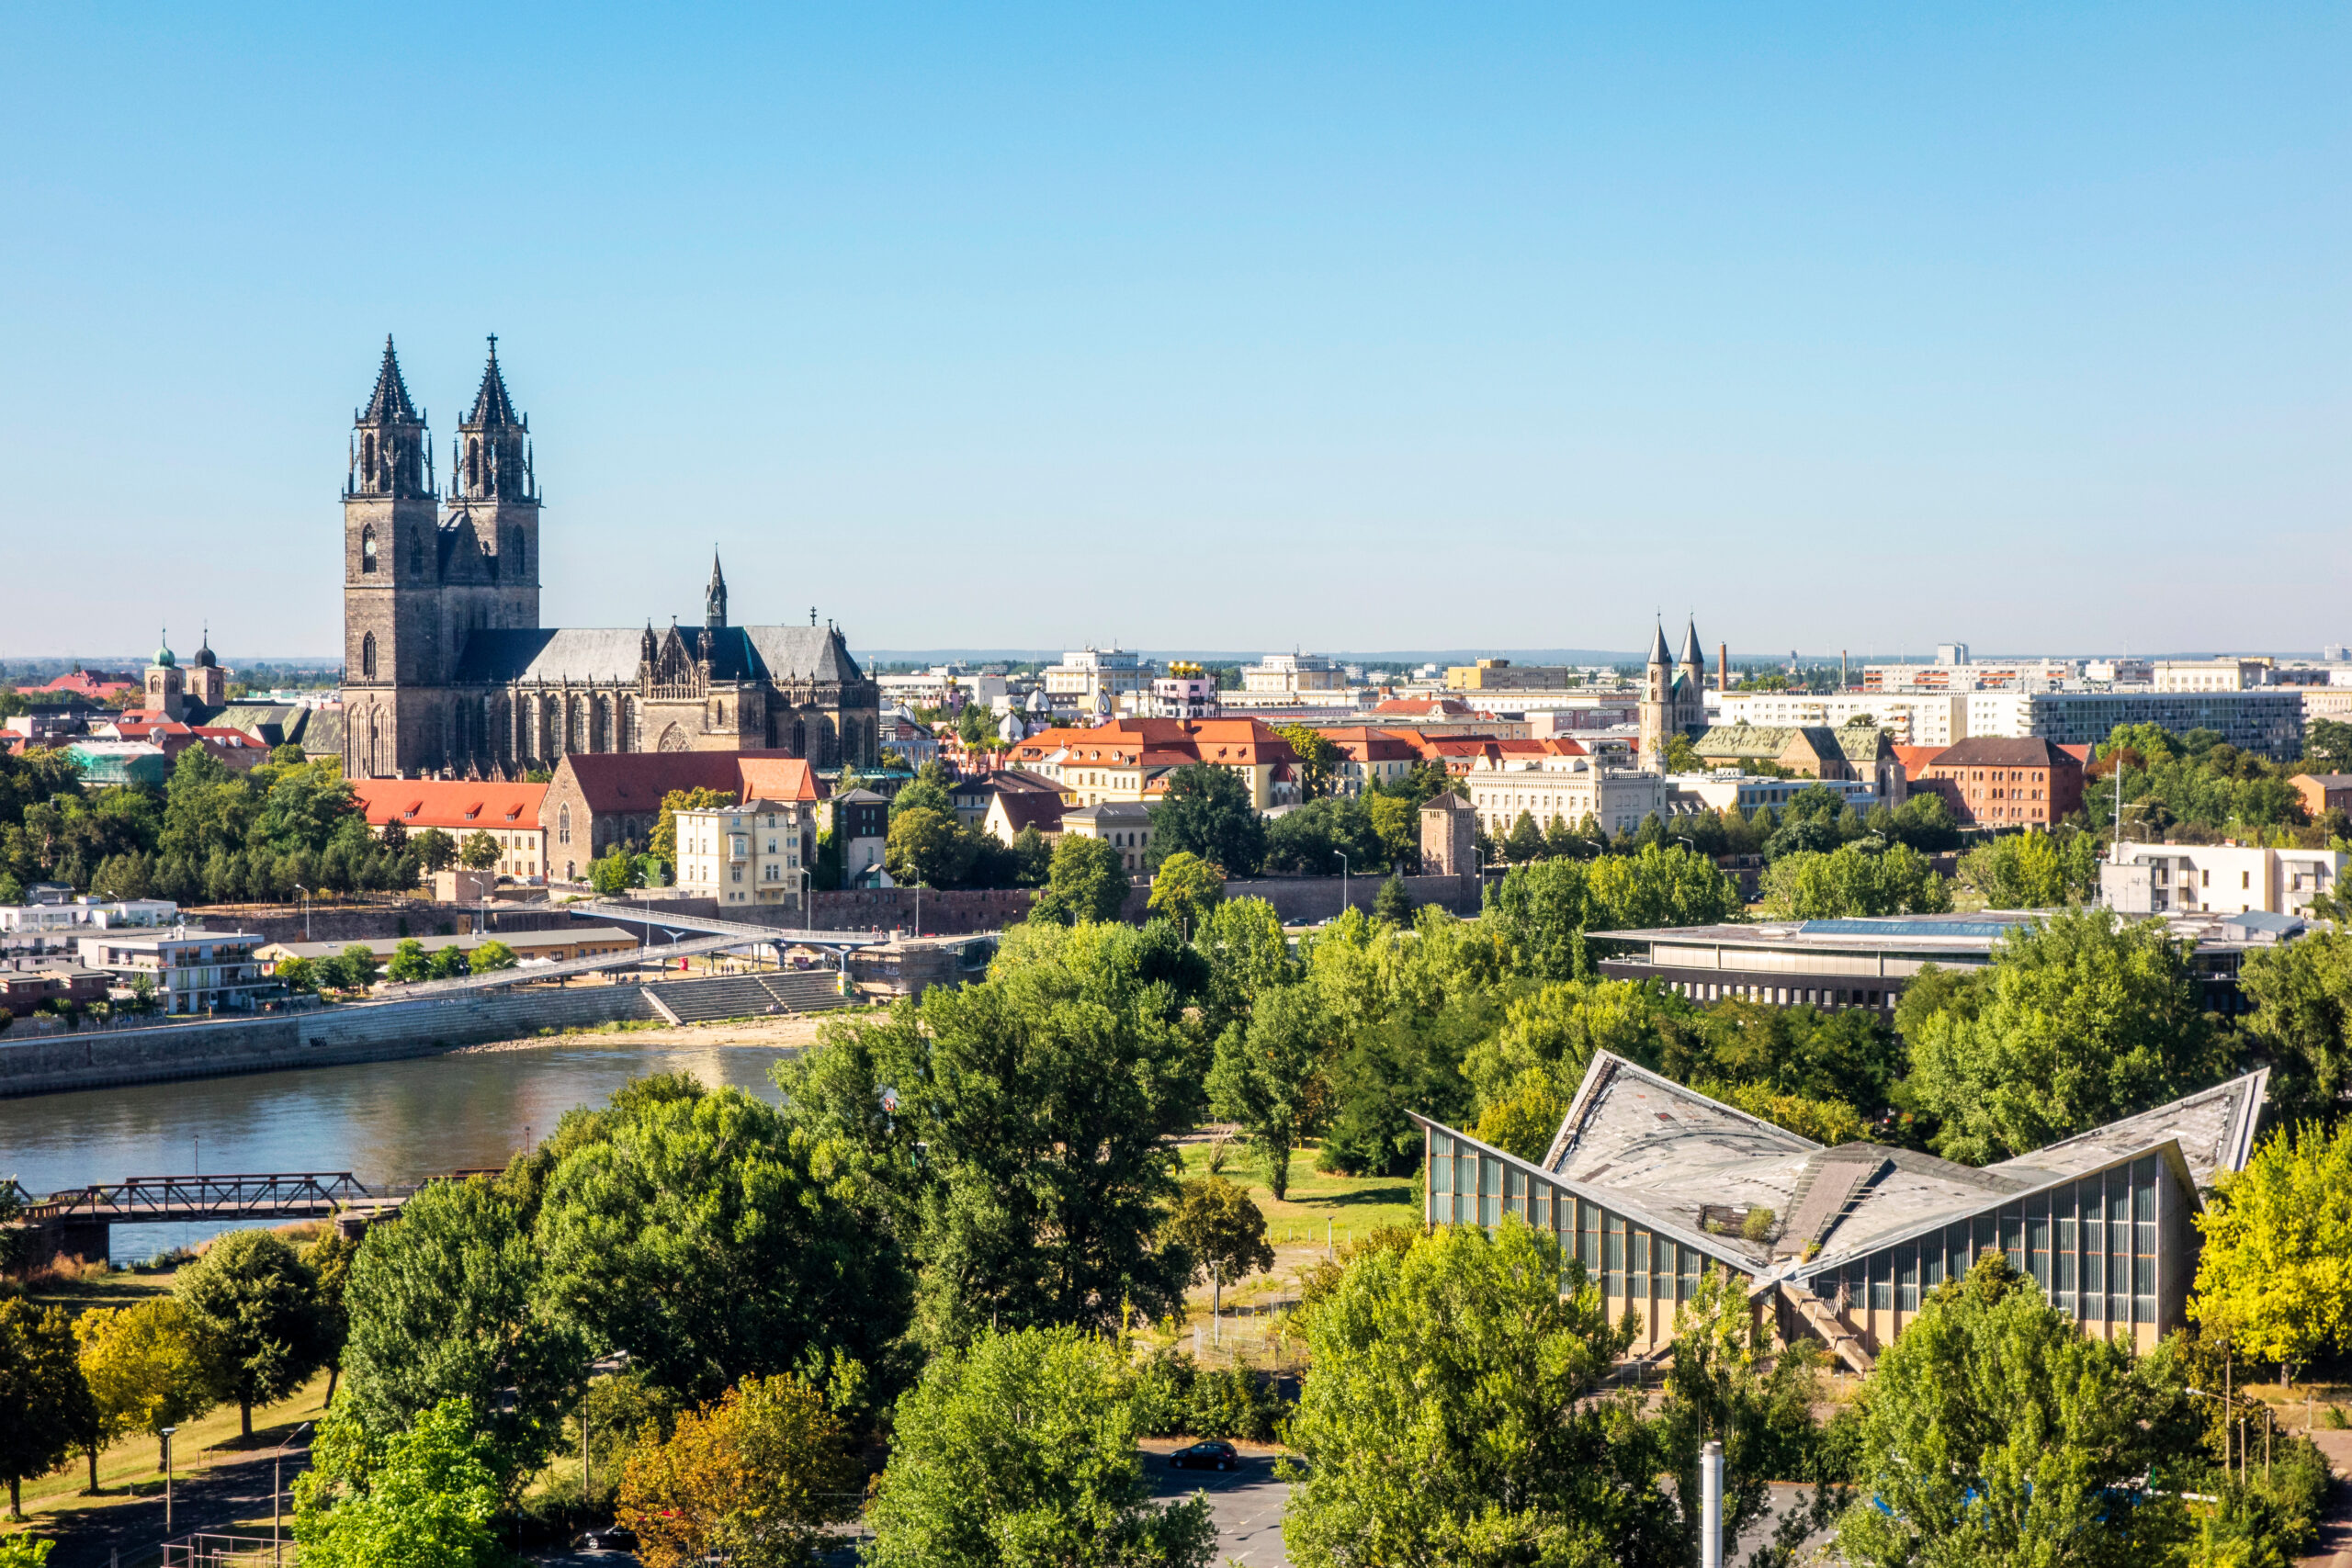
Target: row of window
{"type": "Point", "coordinates": [1786, 996]}
{"type": "Point", "coordinates": [1469, 1187]}
{"type": "Point", "coordinates": [2090, 1246]}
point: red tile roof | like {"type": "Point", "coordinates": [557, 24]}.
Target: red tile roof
{"type": "Point", "coordinates": [1917, 758]}
{"type": "Point", "coordinates": [636, 781]}
{"type": "Point", "coordinates": [778, 778]}
{"type": "Point", "coordinates": [451, 804]}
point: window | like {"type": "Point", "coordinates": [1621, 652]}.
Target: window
{"type": "Point", "coordinates": [368, 546]}
{"type": "Point", "coordinates": [564, 824]}
{"type": "Point", "coordinates": [368, 651]}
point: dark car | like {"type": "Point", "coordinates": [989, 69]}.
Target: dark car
{"type": "Point", "coordinates": [1212, 1455]}
{"type": "Point", "coordinates": [611, 1537]}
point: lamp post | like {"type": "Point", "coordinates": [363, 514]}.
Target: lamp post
{"type": "Point", "coordinates": [306, 910]}
{"type": "Point", "coordinates": [277, 1489]}
{"type": "Point", "coordinates": [166, 1433]}
{"type": "Point", "coordinates": [1344, 880]}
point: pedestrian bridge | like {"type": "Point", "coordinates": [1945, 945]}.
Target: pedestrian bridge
{"type": "Point", "coordinates": [80, 1222]}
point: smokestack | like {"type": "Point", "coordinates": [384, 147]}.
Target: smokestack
{"type": "Point", "coordinates": [1711, 1517]}
{"type": "Point", "coordinates": [1723, 667]}
{"type": "Point", "coordinates": [1842, 670]}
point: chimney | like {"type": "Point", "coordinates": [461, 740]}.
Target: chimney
{"type": "Point", "coordinates": [1723, 667]}
{"type": "Point", "coordinates": [1842, 670]}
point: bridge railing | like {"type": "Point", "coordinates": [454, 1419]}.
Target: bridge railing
{"type": "Point", "coordinates": [179, 1196]}
{"type": "Point", "coordinates": [205, 1550]}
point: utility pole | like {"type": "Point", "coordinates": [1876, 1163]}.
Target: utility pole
{"type": "Point", "coordinates": [166, 1433]}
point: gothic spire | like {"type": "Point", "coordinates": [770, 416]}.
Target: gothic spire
{"type": "Point", "coordinates": [1690, 653]}
{"type": "Point", "coordinates": [390, 404]}
{"type": "Point", "coordinates": [714, 601]}
{"type": "Point", "coordinates": [1657, 648]}
{"type": "Point", "coordinates": [491, 406]}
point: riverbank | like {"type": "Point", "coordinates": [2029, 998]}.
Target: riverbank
{"type": "Point", "coordinates": [795, 1032]}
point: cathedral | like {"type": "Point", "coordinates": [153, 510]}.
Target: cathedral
{"type": "Point", "coordinates": [1673, 695]}
{"type": "Point", "coordinates": [448, 673]}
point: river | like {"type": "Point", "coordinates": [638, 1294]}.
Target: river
{"type": "Point", "coordinates": [380, 1121]}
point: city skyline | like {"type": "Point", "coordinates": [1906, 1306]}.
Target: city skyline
{"type": "Point", "coordinates": [957, 327]}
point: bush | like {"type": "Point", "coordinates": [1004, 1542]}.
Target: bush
{"type": "Point", "coordinates": [1175, 1397]}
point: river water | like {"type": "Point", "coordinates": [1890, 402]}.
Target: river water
{"type": "Point", "coordinates": [380, 1121]}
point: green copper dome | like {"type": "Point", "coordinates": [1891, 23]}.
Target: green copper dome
{"type": "Point", "coordinates": [164, 655]}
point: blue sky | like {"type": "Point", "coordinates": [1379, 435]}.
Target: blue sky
{"type": "Point", "coordinates": [1347, 326]}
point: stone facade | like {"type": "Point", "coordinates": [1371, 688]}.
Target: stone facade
{"type": "Point", "coordinates": [1449, 836]}
{"type": "Point", "coordinates": [448, 673]}
{"type": "Point", "coordinates": [1673, 698]}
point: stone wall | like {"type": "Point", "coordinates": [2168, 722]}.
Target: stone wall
{"type": "Point", "coordinates": [1303, 900]}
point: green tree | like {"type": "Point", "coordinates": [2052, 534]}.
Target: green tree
{"type": "Point", "coordinates": [2034, 871]}
{"type": "Point", "coordinates": [1022, 1450]}
{"type": "Point", "coordinates": [254, 1306]}
{"type": "Point", "coordinates": [1393, 904]}
{"type": "Point", "coordinates": [1541, 912]}
{"type": "Point", "coordinates": [1024, 1152]}
{"type": "Point", "coordinates": [410, 961]}
{"type": "Point", "coordinates": [329, 1260]}
{"type": "Point", "coordinates": [2275, 1274]}
{"type": "Point", "coordinates": [1267, 1077]}
{"type": "Point", "coordinates": [2079, 1020]}
{"type": "Point", "coordinates": [1207, 811]}
{"type": "Point", "coordinates": [1186, 890]}
{"type": "Point", "coordinates": [1032, 858]}
{"type": "Point", "coordinates": [2302, 1021]}
{"type": "Point", "coordinates": [1995, 1431]}
{"type": "Point", "coordinates": [1085, 882]}
{"type": "Point", "coordinates": [492, 955]}
{"type": "Point", "coordinates": [614, 872]}
{"type": "Point", "coordinates": [425, 1496]}
{"type": "Point", "coordinates": [1397, 823]}
{"type": "Point", "coordinates": [693, 1230]}
{"type": "Point", "coordinates": [1219, 1232]}
{"type": "Point", "coordinates": [664, 845]}
{"type": "Point", "coordinates": [145, 1368]}
{"type": "Point", "coordinates": [929, 790]}
{"type": "Point", "coordinates": [43, 1401]}
{"type": "Point", "coordinates": [479, 852]}
{"type": "Point", "coordinates": [355, 968]}
{"type": "Point", "coordinates": [449, 1303]}
{"type": "Point", "coordinates": [1853, 881]}
{"type": "Point", "coordinates": [926, 847]}
{"type": "Point", "coordinates": [1524, 843]}
{"type": "Point", "coordinates": [1247, 956]}
{"type": "Point", "coordinates": [1524, 1121]}
{"type": "Point", "coordinates": [1454, 1414]}
{"type": "Point", "coordinates": [447, 964]}
{"type": "Point", "coordinates": [1318, 759]}
{"type": "Point", "coordinates": [297, 974]}
{"type": "Point", "coordinates": [435, 850]}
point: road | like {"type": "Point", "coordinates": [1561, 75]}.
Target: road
{"type": "Point", "coordinates": [1246, 1505]}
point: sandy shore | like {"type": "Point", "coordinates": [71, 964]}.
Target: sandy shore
{"type": "Point", "coordinates": [790, 1031]}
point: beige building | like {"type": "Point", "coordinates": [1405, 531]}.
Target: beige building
{"type": "Point", "coordinates": [1123, 825]}
{"type": "Point", "coordinates": [1502, 675]}
{"type": "Point", "coordinates": [1930, 718]}
{"type": "Point", "coordinates": [2212, 675]}
{"type": "Point", "coordinates": [1130, 760]}
{"type": "Point", "coordinates": [1570, 788]}
{"type": "Point", "coordinates": [2216, 879]}
{"type": "Point", "coordinates": [1085, 674]}
{"type": "Point", "coordinates": [751, 853]}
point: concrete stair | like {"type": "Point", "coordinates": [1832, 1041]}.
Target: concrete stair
{"type": "Point", "coordinates": [744, 995]}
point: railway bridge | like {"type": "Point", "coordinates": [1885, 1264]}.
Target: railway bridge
{"type": "Point", "coordinates": [80, 1223]}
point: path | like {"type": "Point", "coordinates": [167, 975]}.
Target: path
{"type": "Point", "coordinates": [2335, 1549]}
{"type": "Point", "coordinates": [217, 1498]}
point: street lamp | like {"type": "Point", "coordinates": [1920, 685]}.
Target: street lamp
{"type": "Point", "coordinates": [306, 910]}
{"type": "Point", "coordinates": [1344, 880]}
{"type": "Point", "coordinates": [277, 1489]}
{"type": "Point", "coordinates": [166, 1433]}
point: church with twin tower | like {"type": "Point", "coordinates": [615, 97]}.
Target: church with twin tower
{"type": "Point", "coordinates": [447, 672]}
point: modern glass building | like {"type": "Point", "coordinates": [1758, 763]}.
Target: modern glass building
{"type": "Point", "coordinates": [1649, 1183]}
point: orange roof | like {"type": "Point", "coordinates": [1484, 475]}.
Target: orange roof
{"type": "Point", "coordinates": [452, 805]}
{"type": "Point", "coordinates": [1163, 742]}
{"type": "Point", "coordinates": [778, 778]}
{"type": "Point", "coordinates": [1915, 758]}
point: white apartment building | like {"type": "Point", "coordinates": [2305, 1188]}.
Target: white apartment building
{"type": "Point", "coordinates": [2216, 879]}
{"type": "Point", "coordinates": [2210, 674]}
{"type": "Point", "coordinates": [1929, 718]}
{"type": "Point", "coordinates": [1085, 674]}
{"type": "Point", "coordinates": [948, 686]}
{"type": "Point", "coordinates": [86, 915]}
{"type": "Point", "coordinates": [2122, 671]}
{"type": "Point", "coordinates": [1962, 675]}
{"type": "Point", "coordinates": [1570, 788]}
{"type": "Point", "coordinates": [1292, 679]}
{"type": "Point", "coordinates": [2267, 722]}
{"type": "Point", "coordinates": [751, 853]}
{"type": "Point", "coordinates": [1719, 792]}
{"type": "Point", "coordinates": [191, 971]}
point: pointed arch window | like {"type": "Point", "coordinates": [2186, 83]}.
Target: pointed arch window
{"type": "Point", "coordinates": [367, 548]}
{"type": "Point", "coordinates": [368, 459]}
{"type": "Point", "coordinates": [473, 465]}
{"type": "Point", "coordinates": [368, 656]}
{"type": "Point", "coordinates": [564, 824]}
{"type": "Point", "coordinates": [522, 551]}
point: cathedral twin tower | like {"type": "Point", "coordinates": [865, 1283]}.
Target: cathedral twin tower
{"type": "Point", "coordinates": [448, 671]}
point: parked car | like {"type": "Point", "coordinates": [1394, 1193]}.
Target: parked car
{"type": "Point", "coordinates": [1214, 1454]}
{"type": "Point", "coordinates": [611, 1537]}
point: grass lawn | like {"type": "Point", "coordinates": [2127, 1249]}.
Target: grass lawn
{"type": "Point", "coordinates": [127, 1470]}
{"type": "Point", "coordinates": [1320, 1210]}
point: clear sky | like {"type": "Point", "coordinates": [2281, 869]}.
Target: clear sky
{"type": "Point", "coordinates": [1357, 326]}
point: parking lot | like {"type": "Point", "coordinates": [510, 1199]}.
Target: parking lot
{"type": "Point", "coordinates": [1246, 1503]}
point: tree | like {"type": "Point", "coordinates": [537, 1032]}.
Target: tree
{"type": "Point", "coordinates": [2301, 993]}
{"type": "Point", "coordinates": [492, 955]}
{"type": "Point", "coordinates": [1541, 912]}
{"type": "Point", "coordinates": [43, 1401]}
{"type": "Point", "coordinates": [445, 1303]}
{"type": "Point", "coordinates": [1187, 889]}
{"type": "Point", "coordinates": [926, 848]}
{"type": "Point", "coordinates": [2078, 1021]}
{"type": "Point", "coordinates": [410, 961]}
{"type": "Point", "coordinates": [1524, 1121]}
{"type": "Point", "coordinates": [425, 1496]}
{"type": "Point", "coordinates": [355, 968]}
{"type": "Point", "coordinates": [1032, 858]}
{"type": "Point", "coordinates": [1085, 882]}
{"type": "Point", "coordinates": [1247, 956]}
{"type": "Point", "coordinates": [329, 1260]}
{"type": "Point", "coordinates": [1220, 1233]}
{"type": "Point", "coordinates": [927, 791]}
{"type": "Point", "coordinates": [297, 974]}
{"type": "Point", "coordinates": [1853, 881]}
{"type": "Point", "coordinates": [749, 1480]}
{"type": "Point", "coordinates": [254, 1306]}
{"type": "Point", "coordinates": [1393, 904]}
{"type": "Point", "coordinates": [1524, 843]}
{"type": "Point", "coordinates": [448, 964]}
{"type": "Point", "coordinates": [1026, 1163]}
{"type": "Point", "coordinates": [1318, 759]}
{"type": "Point", "coordinates": [436, 851]}
{"type": "Point", "coordinates": [2275, 1274]}
{"type": "Point", "coordinates": [1022, 1450]}
{"type": "Point", "coordinates": [1207, 811]}
{"type": "Point", "coordinates": [1397, 823]}
{"type": "Point", "coordinates": [693, 1230]}
{"type": "Point", "coordinates": [1995, 1431]}
{"type": "Point", "coordinates": [2034, 871]}
{"type": "Point", "coordinates": [1453, 1415]}
{"type": "Point", "coordinates": [480, 851]}
{"type": "Point", "coordinates": [1267, 1076]}
{"type": "Point", "coordinates": [663, 844]}
{"type": "Point", "coordinates": [145, 1368]}
{"type": "Point", "coordinates": [616, 872]}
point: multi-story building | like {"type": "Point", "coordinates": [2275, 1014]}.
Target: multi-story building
{"type": "Point", "coordinates": [2207, 879]}
{"type": "Point", "coordinates": [2324, 793]}
{"type": "Point", "coordinates": [83, 915]}
{"type": "Point", "coordinates": [1720, 792]}
{"type": "Point", "coordinates": [1570, 788]}
{"type": "Point", "coordinates": [1187, 691]}
{"type": "Point", "coordinates": [598, 800]}
{"type": "Point", "coordinates": [2267, 722]}
{"type": "Point", "coordinates": [1124, 825]}
{"type": "Point", "coordinates": [190, 970]}
{"type": "Point", "coordinates": [1292, 675]}
{"type": "Point", "coordinates": [752, 852]}
{"type": "Point", "coordinates": [1993, 783]}
{"type": "Point", "coordinates": [1502, 675]}
{"type": "Point", "coordinates": [1812, 751]}
{"type": "Point", "coordinates": [1369, 756]}
{"type": "Point", "coordinates": [947, 686]}
{"type": "Point", "coordinates": [1959, 673]}
{"type": "Point", "coordinates": [1913, 719]}
{"type": "Point", "coordinates": [2119, 671]}
{"type": "Point", "coordinates": [1130, 760]}
{"type": "Point", "coordinates": [862, 829]}
{"type": "Point", "coordinates": [2212, 675]}
{"type": "Point", "coordinates": [1088, 674]}
{"type": "Point", "coordinates": [509, 813]}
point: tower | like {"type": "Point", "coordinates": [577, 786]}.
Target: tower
{"type": "Point", "coordinates": [393, 652]}
{"type": "Point", "coordinates": [714, 599]}
{"type": "Point", "coordinates": [208, 683]}
{"type": "Point", "coordinates": [1657, 702]}
{"type": "Point", "coordinates": [167, 685]}
{"type": "Point", "coordinates": [495, 497]}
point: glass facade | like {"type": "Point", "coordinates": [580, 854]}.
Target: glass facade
{"type": "Point", "coordinates": [2090, 1244]}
